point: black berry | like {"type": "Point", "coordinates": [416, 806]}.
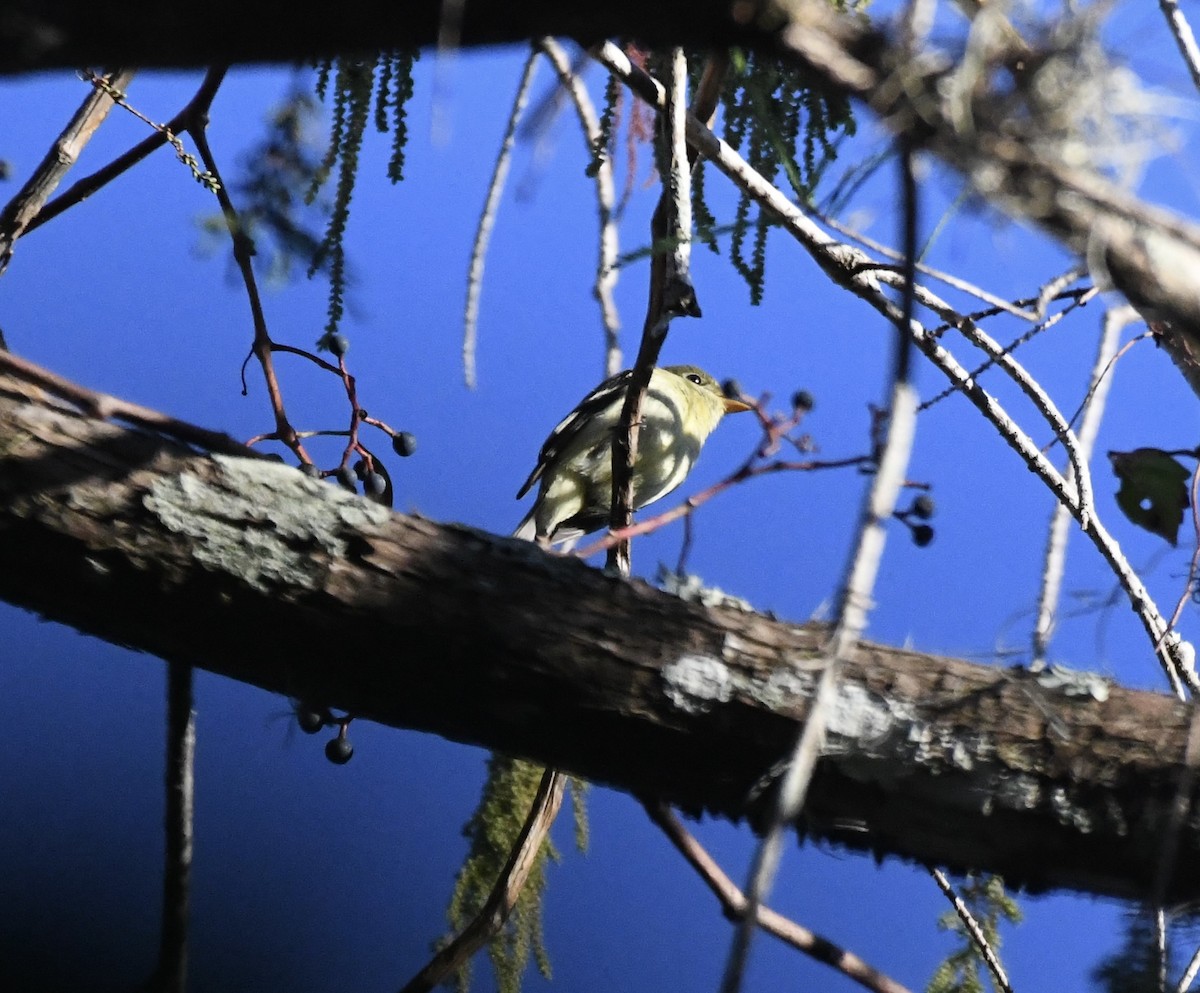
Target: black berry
{"type": "Point", "coordinates": [404, 444]}
{"type": "Point", "coordinates": [311, 720]}
{"type": "Point", "coordinates": [338, 750]}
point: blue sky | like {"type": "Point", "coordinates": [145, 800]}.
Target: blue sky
{"type": "Point", "coordinates": [309, 875]}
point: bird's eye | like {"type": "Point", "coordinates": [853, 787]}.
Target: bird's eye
{"type": "Point", "coordinates": [695, 379]}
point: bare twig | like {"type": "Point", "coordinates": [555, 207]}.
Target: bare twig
{"type": "Point", "coordinates": [1160, 946]}
{"type": "Point", "coordinates": [1054, 561]}
{"type": "Point", "coordinates": [975, 931]}
{"type": "Point", "coordinates": [856, 272]}
{"type": "Point", "coordinates": [955, 282]}
{"type": "Point", "coordinates": [193, 119]}
{"type": "Point", "coordinates": [693, 503]}
{"type": "Point", "coordinates": [1189, 974]}
{"type": "Point", "coordinates": [487, 219]}
{"type": "Point", "coordinates": [671, 295]}
{"type": "Point", "coordinates": [84, 188]}
{"type": "Point", "coordinates": [857, 592]}
{"type": "Point", "coordinates": [1075, 298]}
{"type": "Point", "coordinates": [734, 904]}
{"type": "Point", "coordinates": [204, 178]}
{"type": "Point", "coordinates": [1193, 576]}
{"type": "Point", "coordinates": [500, 902]}
{"type": "Point", "coordinates": [18, 215]}
{"type": "Point", "coordinates": [606, 264]}
{"type": "Point", "coordinates": [243, 253]}
{"type": "Point", "coordinates": [1184, 38]}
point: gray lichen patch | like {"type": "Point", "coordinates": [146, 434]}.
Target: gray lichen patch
{"type": "Point", "coordinates": [260, 521]}
{"type": "Point", "coordinates": [695, 683]}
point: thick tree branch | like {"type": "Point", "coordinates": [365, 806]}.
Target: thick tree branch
{"type": "Point", "coordinates": [69, 33]}
{"type": "Point", "coordinates": [250, 569]}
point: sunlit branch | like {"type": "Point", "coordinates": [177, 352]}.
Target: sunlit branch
{"type": "Point", "coordinates": [1075, 298]}
{"type": "Point", "coordinates": [1184, 38]}
{"type": "Point", "coordinates": [607, 270]}
{"type": "Point", "coordinates": [1189, 974]}
{"type": "Point", "coordinates": [974, 930]}
{"type": "Point", "coordinates": [1080, 478]}
{"type": "Point", "coordinates": [856, 272]}
{"type": "Point", "coordinates": [18, 215]}
{"type": "Point", "coordinates": [487, 219]}
{"type": "Point", "coordinates": [1034, 311]}
{"type": "Point", "coordinates": [1054, 561]}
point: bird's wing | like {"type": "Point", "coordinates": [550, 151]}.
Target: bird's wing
{"type": "Point", "coordinates": [612, 390]}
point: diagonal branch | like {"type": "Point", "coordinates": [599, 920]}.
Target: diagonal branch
{"type": "Point", "coordinates": [861, 275]}
{"type": "Point", "coordinates": [503, 898]}
{"type": "Point", "coordinates": [733, 902]}
{"type": "Point", "coordinates": [19, 214]}
{"type": "Point", "coordinates": [607, 270]}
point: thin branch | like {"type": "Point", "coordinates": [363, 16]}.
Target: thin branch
{"type": "Point", "coordinates": [487, 219]}
{"type": "Point", "coordinates": [18, 215]}
{"type": "Point", "coordinates": [84, 188]}
{"type": "Point", "coordinates": [170, 975]}
{"type": "Point", "coordinates": [1193, 576]}
{"type": "Point", "coordinates": [1080, 478]}
{"type": "Point", "coordinates": [856, 272]}
{"type": "Point", "coordinates": [243, 252]}
{"type": "Point", "coordinates": [1189, 974]}
{"type": "Point", "coordinates": [857, 591]}
{"type": "Point", "coordinates": [686, 508]}
{"type": "Point", "coordinates": [671, 295]}
{"type": "Point", "coordinates": [607, 270]}
{"type": "Point", "coordinates": [941, 276]}
{"type": "Point", "coordinates": [1160, 946]}
{"type": "Point", "coordinates": [1054, 560]}
{"type": "Point", "coordinates": [503, 898]}
{"type": "Point", "coordinates": [1184, 38]}
{"type": "Point", "coordinates": [733, 903]}
{"type": "Point", "coordinates": [193, 119]}
{"type": "Point", "coordinates": [1076, 298]}
{"type": "Point", "coordinates": [975, 931]}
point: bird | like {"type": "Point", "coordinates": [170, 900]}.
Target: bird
{"type": "Point", "coordinates": [574, 468]}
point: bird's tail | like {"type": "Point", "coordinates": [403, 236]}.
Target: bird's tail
{"type": "Point", "coordinates": [527, 529]}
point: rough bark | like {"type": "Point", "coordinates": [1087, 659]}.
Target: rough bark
{"type": "Point", "coordinates": [248, 568]}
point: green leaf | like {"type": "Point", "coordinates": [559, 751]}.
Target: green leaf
{"type": "Point", "coordinates": [1153, 493]}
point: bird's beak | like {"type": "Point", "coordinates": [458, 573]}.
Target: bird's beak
{"type": "Point", "coordinates": [736, 406]}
